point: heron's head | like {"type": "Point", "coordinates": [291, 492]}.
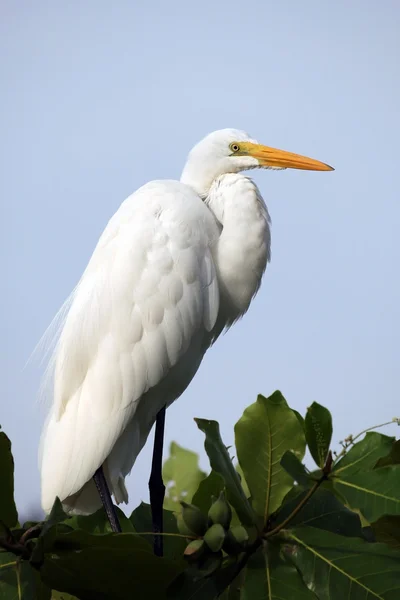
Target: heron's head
{"type": "Point", "coordinates": [230, 151]}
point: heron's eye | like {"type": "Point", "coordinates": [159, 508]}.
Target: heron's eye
{"type": "Point", "coordinates": [235, 147]}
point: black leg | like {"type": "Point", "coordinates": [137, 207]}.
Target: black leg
{"type": "Point", "coordinates": [105, 496]}
{"type": "Point", "coordinates": [156, 484]}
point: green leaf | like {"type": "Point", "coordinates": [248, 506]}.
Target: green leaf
{"type": "Point", "coordinates": [55, 595]}
{"type": "Point", "coordinates": [324, 511]}
{"type": "Point", "coordinates": [77, 539]}
{"type": "Point", "coordinates": [318, 429]}
{"type": "Point", "coordinates": [243, 480]}
{"type": "Point", "coordinates": [267, 429]}
{"type": "Point", "coordinates": [47, 532]}
{"type": "Point", "coordinates": [8, 511]}
{"type": "Point", "coordinates": [374, 493]}
{"type": "Point", "coordinates": [56, 515]}
{"type": "Point", "coordinates": [221, 463]}
{"type": "Point", "coordinates": [269, 577]}
{"type": "Point", "coordinates": [364, 455]}
{"type": "Point", "coordinates": [299, 418]}
{"type": "Point", "coordinates": [109, 566]}
{"type": "Point", "coordinates": [393, 458]}
{"type": "Point", "coordinates": [141, 518]}
{"type": "Point", "coordinates": [181, 475]}
{"type": "Point", "coordinates": [62, 596]}
{"type": "Point", "coordinates": [187, 586]}
{"type": "Point", "coordinates": [234, 589]}
{"type": "Point", "coordinates": [19, 581]}
{"type": "Point", "coordinates": [387, 530]}
{"type": "Point", "coordinates": [295, 468]}
{"type": "Point", "coordinates": [212, 485]}
{"type": "Point", "coordinates": [173, 545]}
{"type": "Point", "coordinates": [337, 567]}
{"type": "Point", "coordinates": [98, 522]}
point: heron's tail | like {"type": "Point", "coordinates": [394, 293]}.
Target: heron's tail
{"type": "Point", "coordinates": [87, 500]}
{"type": "Point", "coordinates": [67, 467]}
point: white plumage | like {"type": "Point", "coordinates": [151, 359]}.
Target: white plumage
{"type": "Point", "coordinates": [176, 264]}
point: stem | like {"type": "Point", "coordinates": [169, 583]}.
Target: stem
{"type": "Point", "coordinates": [16, 548]}
{"type": "Point", "coordinates": [351, 439]}
{"type": "Point", "coordinates": [241, 563]}
{"type": "Point", "coordinates": [19, 548]}
{"type": "Point", "coordinates": [30, 533]}
{"type": "Point", "coordinates": [10, 564]}
{"type": "Point", "coordinates": [325, 472]}
{"type": "Point", "coordinates": [298, 508]}
{"type": "Point", "coordinates": [394, 420]}
{"type": "Point", "coordinates": [179, 535]}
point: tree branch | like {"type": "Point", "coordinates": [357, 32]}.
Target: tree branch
{"type": "Point", "coordinates": [325, 472]}
{"type": "Point", "coordinates": [15, 547]}
{"type": "Point", "coordinates": [349, 441]}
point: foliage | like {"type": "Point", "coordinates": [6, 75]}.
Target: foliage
{"type": "Point", "coordinates": [183, 475]}
{"type": "Point", "coordinates": [266, 529]}
{"type": "Point", "coordinates": [8, 511]}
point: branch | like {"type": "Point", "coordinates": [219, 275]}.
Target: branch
{"type": "Point", "coordinates": [325, 473]}
{"type": "Point", "coordinates": [179, 535]}
{"type": "Point", "coordinates": [350, 440]}
{"type": "Point", "coordinates": [15, 547]}
{"type": "Point", "coordinates": [30, 533]}
{"type": "Point", "coordinates": [244, 557]}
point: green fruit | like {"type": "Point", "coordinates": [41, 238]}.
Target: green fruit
{"type": "Point", "coordinates": [252, 533]}
{"type": "Point", "coordinates": [236, 540]}
{"type": "Point", "coordinates": [182, 527]}
{"type": "Point", "coordinates": [194, 519]}
{"type": "Point", "coordinates": [215, 537]}
{"type": "Point", "coordinates": [240, 534]}
{"type": "Point", "coordinates": [195, 550]}
{"type": "Point", "coordinates": [220, 512]}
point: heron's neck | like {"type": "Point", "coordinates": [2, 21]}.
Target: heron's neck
{"type": "Point", "coordinates": [199, 182]}
{"type": "Point", "coordinates": [243, 249]}
{"type": "Point", "coordinates": [199, 175]}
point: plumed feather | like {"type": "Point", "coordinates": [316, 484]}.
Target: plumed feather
{"type": "Point", "coordinates": [147, 296]}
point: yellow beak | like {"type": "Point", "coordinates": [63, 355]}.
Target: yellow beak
{"type": "Point", "coordinates": [271, 157]}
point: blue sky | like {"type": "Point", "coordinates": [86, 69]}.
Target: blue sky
{"type": "Point", "coordinates": [98, 98]}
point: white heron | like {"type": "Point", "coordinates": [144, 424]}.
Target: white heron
{"type": "Point", "coordinates": [179, 262]}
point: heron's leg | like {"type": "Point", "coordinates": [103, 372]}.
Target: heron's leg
{"type": "Point", "coordinates": [105, 496]}
{"type": "Point", "coordinates": [156, 484]}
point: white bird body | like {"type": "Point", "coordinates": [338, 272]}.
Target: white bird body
{"type": "Point", "coordinates": [176, 264]}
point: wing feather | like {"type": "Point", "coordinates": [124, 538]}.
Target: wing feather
{"type": "Point", "coordinates": [150, 289]}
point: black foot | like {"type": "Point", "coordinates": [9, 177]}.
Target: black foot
{"type": "Point", "coordinates": [105, 496]}
{"type": "Point", "coordinates": [156, 484]}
